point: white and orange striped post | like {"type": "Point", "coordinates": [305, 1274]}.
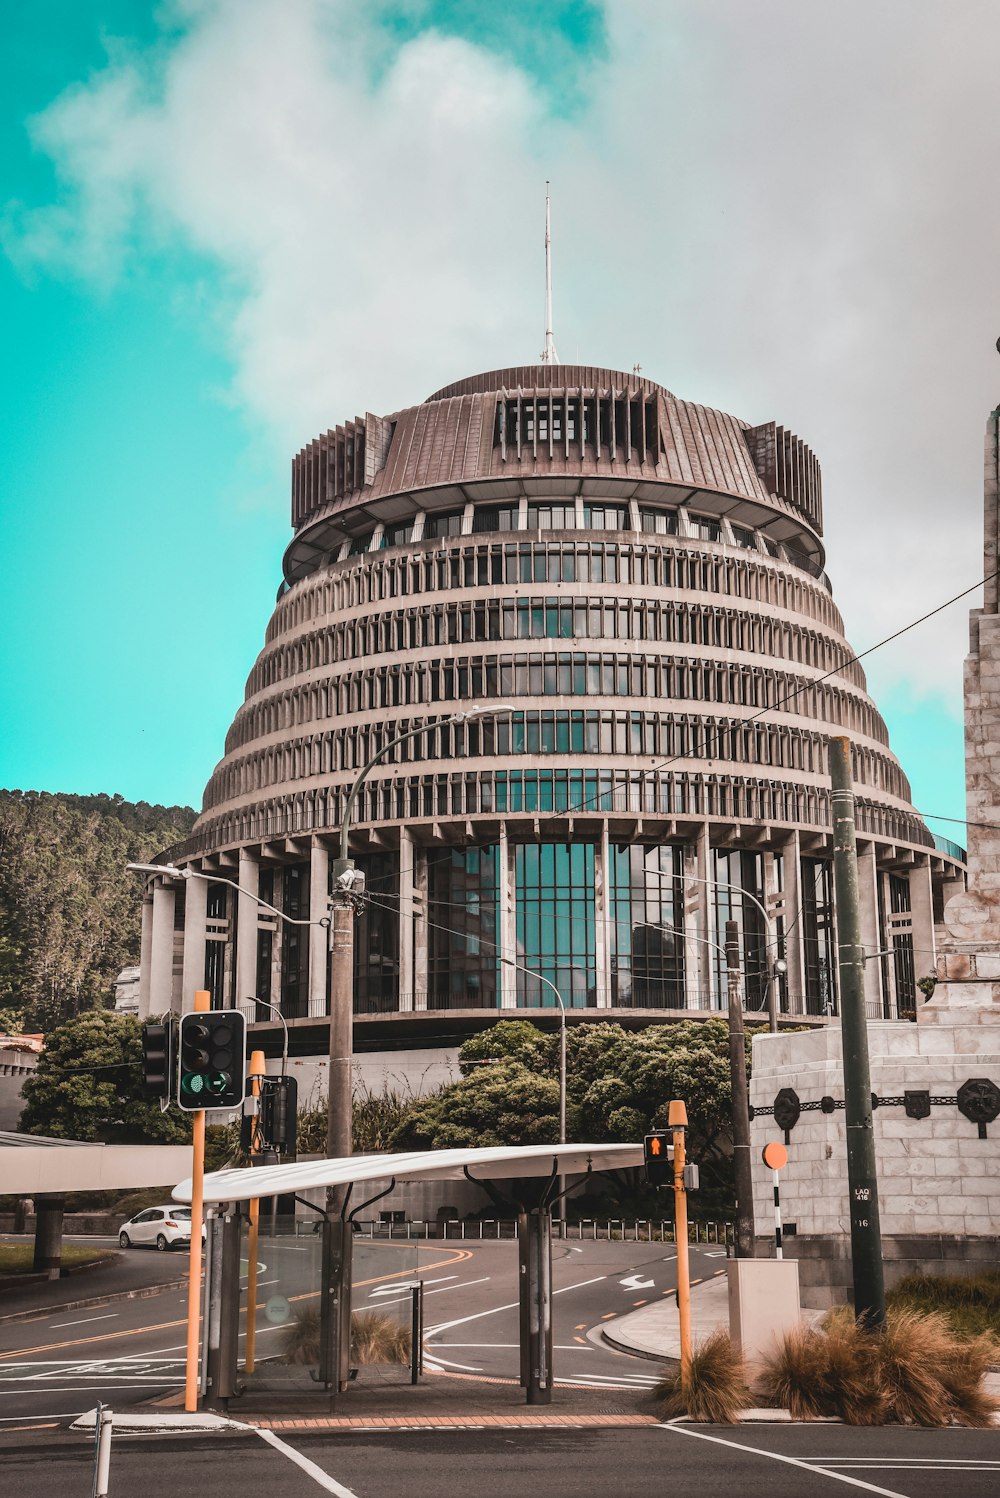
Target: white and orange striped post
{"type": "Point", "coordinates": [776, 1158]}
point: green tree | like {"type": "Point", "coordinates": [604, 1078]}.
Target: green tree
{"type": "Point", "coordinates": [88, 1086]}
{"type": "Point", "coordinates": [503, 1103]}
{"type": "Point", "coordinates": [69, 910]}
{"type": "Point", "coordinates": [619, 1086]}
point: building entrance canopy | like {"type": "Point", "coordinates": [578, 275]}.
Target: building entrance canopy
{"type": "Point", "coordinates": [429, 1165]}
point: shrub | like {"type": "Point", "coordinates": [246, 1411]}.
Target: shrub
{"type": "Point", "coordinates": [714, 1389]}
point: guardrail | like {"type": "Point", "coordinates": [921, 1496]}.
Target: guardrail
{"type": "Point", "coordinates": [593, 1229]}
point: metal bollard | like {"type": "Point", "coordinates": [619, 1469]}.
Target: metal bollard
{"type": "Point", "coordinates": [102, 1450]}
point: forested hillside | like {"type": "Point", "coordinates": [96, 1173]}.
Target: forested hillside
{"type": "Point", "coordinates": [69, 911]}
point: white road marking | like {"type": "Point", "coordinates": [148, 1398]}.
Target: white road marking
{"type": "Point", "coordinates": [791, 1461]}
{"type": "Point", "coordinates": [412, 1284]}
{"type": "Point", "coordinates": [446, 1326]}
{"type": "Point", "coordinates": [443, 1291]}
{"type": "Point", "coordinates": [569, 1346]}
{"type": "Point", "coordinates": [110, 1316]}
{"type": "Point", "coordinates": [66, 1415]}
{"type": "Point", "coordinates": [636, 1282]}
{"type": "Point", "coordinates": [324, 1480]}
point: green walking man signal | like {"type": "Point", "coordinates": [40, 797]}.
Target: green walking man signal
{"type": "Point", "coordinates": [659, 1165]}
{"type": "Point", "coordinates": [213, 1059]}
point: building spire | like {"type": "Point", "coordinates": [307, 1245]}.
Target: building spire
{"type": "Point", "coordinates": [549, 355]}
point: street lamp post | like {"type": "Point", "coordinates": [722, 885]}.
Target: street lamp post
{"type": "Point", "coordinates": [530, 972]}
{"type": "Point", "coordinates": [336, 1299]}
{"type": "Point", "coordinates": [773, 970]}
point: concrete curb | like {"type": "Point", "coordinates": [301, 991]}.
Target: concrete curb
{"type": "Point", "coordinates": [142, 1293]}
{"type": "Point", "coordinates": [172, 1424]}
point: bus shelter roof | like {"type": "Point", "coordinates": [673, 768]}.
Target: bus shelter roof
{"type": "Point", "coordinates": [492, 1163]}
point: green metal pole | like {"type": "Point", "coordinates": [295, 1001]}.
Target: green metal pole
{"type": "Point", "coordinates": [862, 1183]}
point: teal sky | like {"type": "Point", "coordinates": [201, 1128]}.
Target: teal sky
{"type": "Point", "coordinates": [226, 226]}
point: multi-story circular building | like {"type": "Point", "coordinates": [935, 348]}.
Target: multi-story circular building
{"type": "Point", "coordinates": [640, 582]}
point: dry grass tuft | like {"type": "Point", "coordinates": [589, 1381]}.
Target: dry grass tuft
{"type": "Point", "coordinates": [916, 1371]}
{"type": "Point", "coordinates": [374, 1339]}
{"type": "Point", "coordinates": [794, 1375]}
{"type": "Point", "coordinates": [715, 1389]}
{"type": "Point", "coordinates": [377, 1339]}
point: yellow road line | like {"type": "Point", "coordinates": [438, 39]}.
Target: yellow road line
{"type": "Point", "coordinates": [459, 1256]}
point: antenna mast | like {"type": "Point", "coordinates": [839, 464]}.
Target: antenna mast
{"type": "Point", "coordinates": [549, 355]}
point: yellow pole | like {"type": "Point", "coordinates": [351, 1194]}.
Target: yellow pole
{"type": "Point", "coordinates": [257, 1064]}
{"type": "Point", "coordinates": [202, 1001]}
{"type": "Point", "coordinates": [677, 1121]}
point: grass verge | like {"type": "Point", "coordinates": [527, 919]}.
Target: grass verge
{"type": "Point", "coordinates": [970, 1304]}
{"type": "Point", "coordinates": [18, 1258]}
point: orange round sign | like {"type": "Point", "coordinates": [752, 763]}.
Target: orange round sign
{"type": "Point", "coordinates": [775, 1155]}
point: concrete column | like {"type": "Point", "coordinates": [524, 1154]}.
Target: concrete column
{"type": "Point", "coordinates": [319, 936]}
{"type": "Point", "coordinates": [922, 911]}
{"type": "Point", "coordinates": [702, 906]}
{"type": "Point", "coordinates": [48, 1235]}
{"type": "Point", "coordinates": [406, 919]}
{"type": "Point", "coordinates": [506, 920]}
{"type": "Point", "coordinates": [421, 930]}
{"type": "Point", "coordinates": [602, 915]}
{"type": "Point", "coordinates": [791, 878]}
{"type": "Point", "coordinates": [145, 955]}
{"type": "Point", "coordinates": [195, 907]}
{"type": "Point", "coordinates": [772, 901]}
{"type": "Point", "coordinates": [868, 896]}
{"type": "Point", "coordinates": [161, 957]}
{"type": "Point", "coordinates": [248, 879]}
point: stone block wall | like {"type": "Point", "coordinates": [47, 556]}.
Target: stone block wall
{"type": "Point", "coordinates": [936, 1176]}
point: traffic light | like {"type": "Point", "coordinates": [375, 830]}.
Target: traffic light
{"type": "Point", "coordinates": [213, 1048]}
{"type": "Point", "coordinates": [659, 1166]}
{"type": "Point", "coordinates": [157, 1058]}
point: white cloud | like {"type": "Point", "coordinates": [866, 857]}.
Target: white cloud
{"type": "Point", "coordinates": [780, 210]}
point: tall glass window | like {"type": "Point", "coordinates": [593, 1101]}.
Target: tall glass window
{"type": "Point", "coordinates": [555, 923]}
{"type": "Point", "coordinates": [903, 976]}
{"type": "Point", "coordinates": [462, 934]}
{"type": "Point", "coordinates": [265, 943]}
{"type": "Point", "coordinates": [295, 942]}
{"type": "Point", "coordinates": [376, 937]}
{"type": "Point", "coordinates": [738, 877]}
{"type": "Point", "coordinates": [647, 927]}
{"type": "Point", "coordinates": [216, 909]}
{"type": "Point", "coordinates": [448, 523]}
{"type": "Point", "coordinates": [817, 936]}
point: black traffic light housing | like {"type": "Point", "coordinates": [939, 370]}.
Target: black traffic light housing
{"type": "Point", "coordinates": [158, 1055]}
{"type": "Point", "coordinates": [213, 1059]}
{"type": "Point", "coordinates": [659, 1165]}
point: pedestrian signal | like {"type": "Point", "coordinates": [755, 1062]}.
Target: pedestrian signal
{"type": "Point", "coordinates": [659, 1167]}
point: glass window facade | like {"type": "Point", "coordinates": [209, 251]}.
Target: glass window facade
{"type": "Point", "coordinates": [463, 971]}
{"type": "Point", "coordinates": [555, 922]}
{"type": "Point", "coordinates": [446, 524]}
{"type": "Point", "coordinates": [217, 909]}
{"type": "Point", "coordinates": [739, 884]}
{"type": "Point", "coordinates": [376, 937]}
{"type": "Point", "coordinates": [646, 929]}
{"type": "Point", "coordinates": [265, 943]}
{"type": "Point", "coordinates": [899, 985]}
{"type": "Point", "coordinates": [295, 942]}
{"type": "Point", "coordinates": [817, 937]}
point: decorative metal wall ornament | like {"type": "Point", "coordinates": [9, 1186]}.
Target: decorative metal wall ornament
{"type": "Point", "coordinates": [787, 1109]}
{"type": "Point", "coordinates": [979, 1100]}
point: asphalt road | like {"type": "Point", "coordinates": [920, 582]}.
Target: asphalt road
{"type": "Point", "coordinates": [713, 1462]}
{"type": "Point", "coordinates": [56, 1366]}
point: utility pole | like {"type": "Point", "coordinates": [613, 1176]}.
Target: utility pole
{"type": "Point", "coordinates": [741, 1102]}
{"type": "Point", "coordinates": [677, 1123]}
{"type": "Point", "coordinates": [862, 1183]}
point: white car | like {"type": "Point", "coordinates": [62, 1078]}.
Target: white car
{"type": "Point", "coordinates": [158, 1227]}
